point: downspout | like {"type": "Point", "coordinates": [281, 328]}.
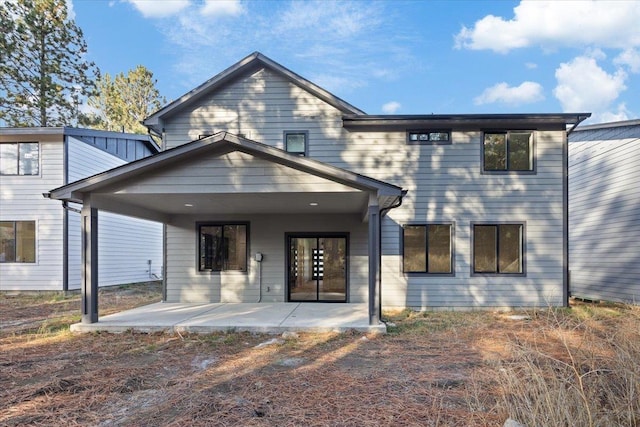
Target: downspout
{"type": "Point", "coordinates": [383, 212]}
{"type": "Point", "coordinates": [566, 276]}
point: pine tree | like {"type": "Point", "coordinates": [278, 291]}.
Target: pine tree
{"type": "Point", "coordinates": [121, 103]}
{"type": "Point", "coordinates": [43, 70]}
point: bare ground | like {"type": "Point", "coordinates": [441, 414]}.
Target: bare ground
{"type": "Point", "coordinates": [431, 369]}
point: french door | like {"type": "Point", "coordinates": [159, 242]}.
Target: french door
{"type": "Point", "coordinates": [317, 267]}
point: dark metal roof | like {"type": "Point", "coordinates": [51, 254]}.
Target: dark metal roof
{"type": "Point", "coordinates": [462, 121]}
{"type": "Point", "coordinates": [221, 141]}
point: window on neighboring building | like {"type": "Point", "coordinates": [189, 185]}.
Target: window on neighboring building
{"type": "Point", "coordinates": [223, 247]}
{"type": "Point", "coordinates": [498, 248]}
{"type": "Point", "coordinates": [427, 248]}
{"type": "Point", "coordinates": [433, 137]}
{"type": "Point", "coordinates": [19, 158]}
{"type": "Point", "coordinates": [17, 241]}
{"type": "Point", "coordinates": [508, 151]}
{"type": "Point", "coordinates": [295, 142]}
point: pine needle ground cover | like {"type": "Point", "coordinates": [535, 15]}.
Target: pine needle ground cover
{"type": "Point", "coordinates": [574, 366]}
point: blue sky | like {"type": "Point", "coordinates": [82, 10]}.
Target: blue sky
{"type": "Point", "coordinates": [390, 57]}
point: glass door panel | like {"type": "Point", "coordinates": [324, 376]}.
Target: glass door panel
{"type": "Point", "coordinates": [317, 268]}
{"type": "Point", "coordinates": [332, 285]}
{"type": "Point", "coordinates": [302, 284]}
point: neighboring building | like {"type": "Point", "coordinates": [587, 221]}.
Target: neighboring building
{"type": "Point", "coordinates": [273, 189]}
{"type": "Point", "coordinates": [604, 212]}
{"type": "Point", "coordinates": [40, 246]}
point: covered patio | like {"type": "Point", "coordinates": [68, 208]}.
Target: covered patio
{"type": "Point", "coordinates": [231, 183]}
{"type": "Point", "coordinates": [271, 318]}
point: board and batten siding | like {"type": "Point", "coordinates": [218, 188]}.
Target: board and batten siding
{"type": "Point", "coordinates": [125, 244]}
{"type": "Point", "coordinates": [445, 184]}
{"type": "Point", "coordinates": [21, 200]}
{"type": "Point", "coordinates": [604, 217]}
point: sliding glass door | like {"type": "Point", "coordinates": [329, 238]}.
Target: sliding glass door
{"type": "Point", "coordinates": [317, 268]}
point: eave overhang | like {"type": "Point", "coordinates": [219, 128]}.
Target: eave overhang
{"type": "Point", "coordinates": [251, 63]}
{"type": "Point", "coordinates": [222, 143]}
{"type": "Point", "coordinates": [462, 121]}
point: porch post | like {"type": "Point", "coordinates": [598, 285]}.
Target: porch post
{"type": "Point", "coordinates": [374, 259]}
{"type": "Point", "coordinates": [89, 289]}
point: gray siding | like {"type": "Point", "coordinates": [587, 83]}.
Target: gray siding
{"type": "Point", "coordinates": [125, 244]}
{"type": "Point", "coordinates": [21, 200]}
{"type": "Point", "coordinates": [445, 184]}
{"type": "Point", "coordinates": [604, 214]}
{"type": "Point", "coordinates": [267, 235]}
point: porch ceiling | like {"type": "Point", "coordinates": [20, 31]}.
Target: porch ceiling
{"type": "Point", "coordinates": [236, 203]}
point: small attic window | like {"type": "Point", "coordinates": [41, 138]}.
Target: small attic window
{"type": "Point", "coordinates": [429, 137]}
{"type": "Point", "coordinates": [295, 142]}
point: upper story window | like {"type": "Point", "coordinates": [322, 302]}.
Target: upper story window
{"type": "Point", "coordinates": [295, 142]}
{"type": "Point", "coordinates": [429, 137]}
{"type": "Point", "coordinates": [17, 241]}
{"type": "Point", "coordinates": [223, 246]}
{"type": "Point", "coordinates": [508, 151]}
{"type": "Point", "coordinates": [20, 158]}
{"type": "Point", "coordinates": [427, 248]}
{"type": "Point", "coordinates": [498, 248]}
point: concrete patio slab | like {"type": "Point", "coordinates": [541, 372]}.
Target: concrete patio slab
{"type": "Point", "coordinates": [271, 318]}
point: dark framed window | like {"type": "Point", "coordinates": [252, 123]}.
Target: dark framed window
{"type": "Point", "coordinates": [427, 248]}
{"type": "Point", "coordinates": [17, 241]}
{"type": "Point", "coordinates": [508, 151]}
{"type": "Point", "coordinates": [429, 137]}
{"type": "Point", "coordinates": [223, 246]}
{"type": "Point", "coordinates": [20, 158]}
{"type": "Point", "coordinates": [295, 142]}
{"type": "Point", "coordinates": [498, 248]}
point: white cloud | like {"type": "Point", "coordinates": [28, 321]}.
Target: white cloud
{"type": "Point", "coordinates": [526, 93]}
{"type": "Point", "coordinates": [583, 86]}
{"type": "Point", "coordinates": [531, 65]}
{"type": "Point", "coordinates": [341, 45]}
{"type": "Point", "coordinates": [391, 107]}
{"type": "Point", "coordinates": [159, 9]}
{"type": "Point", "coordinates": [621, 113]}
{"type": "Point", "coordinates": [552, 24]}
{"type": "Point", "coordinates": [221, 7]}
{"type": "Point", "coordinates": [630, 58]}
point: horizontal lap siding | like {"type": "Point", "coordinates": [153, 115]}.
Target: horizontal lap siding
{"type": "Point", "coordinates": [445, 184]}
{"type": "Point", "coordinates": [604, 218]}
{"type": "Point", "coordinates": [267, 236]}
{"type": "Point", "coordinates": [261, 106]}
{"type": "Point", "coordinates": [21, 200]}
{"type": "Point", "coordinates": [125, 245]}
{"type": "Point", "coordinates": [232, 173]}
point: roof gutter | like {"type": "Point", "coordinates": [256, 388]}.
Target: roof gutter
{"type": "Point", "coordinates": [579, 120]}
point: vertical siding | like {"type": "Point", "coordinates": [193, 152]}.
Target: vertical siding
{"type": "Point", "coordinates": [267, 236]}
{"type": "Point", "coordinates": [445, 184]}
{"type": "Point", "coordinates": [21, 200]}
{"type": "Point", "coordinates": [125, 244]}
{"type": "Point", "coordinates": [604, 216]}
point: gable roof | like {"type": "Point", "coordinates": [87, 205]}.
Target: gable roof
{"type": "Point", "coordinates": [222, 143]}
{"type": "Point", "coordinates": [252, 62]}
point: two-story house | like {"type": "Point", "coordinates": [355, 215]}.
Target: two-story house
{"type": "Point", "coordinates": [273, 189]}
{"type": "Point", "coordinates": [40, 240]}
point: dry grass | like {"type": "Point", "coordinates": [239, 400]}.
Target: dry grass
{"type": "Point", "coordinates": [560, 367]}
